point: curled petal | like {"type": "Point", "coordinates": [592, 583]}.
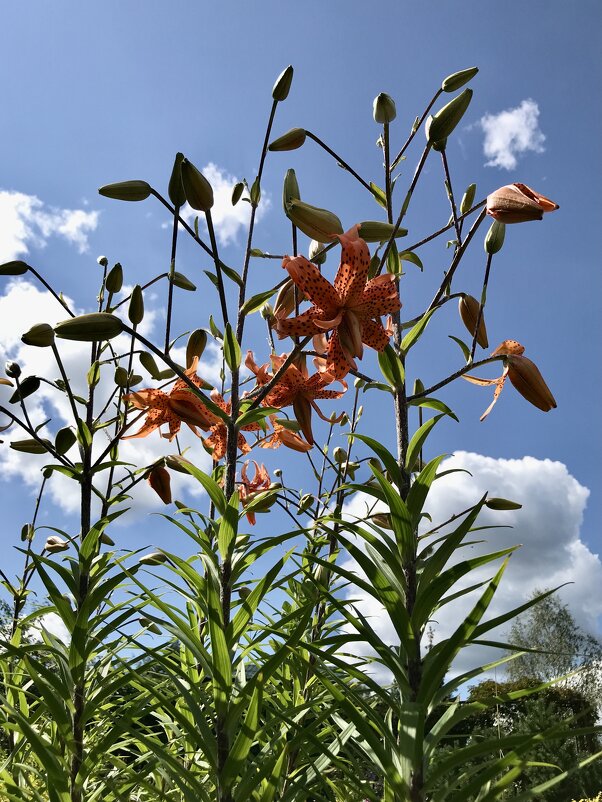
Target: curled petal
{"type": "Point", "coordinates": [141, 399]}
{"type": "Point", "coordinates": [509, 347]}
{"type": "Point", "coordinates": [351, 276]}
{"type": "Point", "coordinates": [309, 279]}
{"type": "Point", "coordinates": [302, 325]}
{"type": "Point", "coordinates": [338, 363]}
{"type": "Point", "coordinates": [380, 297]}
{"type": "Point", "coordinates": [375, 335]}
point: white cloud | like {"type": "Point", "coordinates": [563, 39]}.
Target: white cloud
{"type": "Point", "coordinates": [511, 133]}
{"type": "Point", "coordinates": [228, 220]}
{"type": "Point", "coordinates": [23, 305]}
{"type": "Point", "coordinates": [27, 221]}
{"type": "Point", "coordinates": [547, 526]}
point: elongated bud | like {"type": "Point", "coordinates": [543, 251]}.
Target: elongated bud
{"type": "Point", "coordinates": [290, 189]}
{"type": "Point", "coordinates": [28, 386]}
{"type": "Point", "coordinates": [12, 369]}
{"type": "Point", "coordinates": [458, 79]}
{"type": "Point", "coordinates": [136, 307]}
{"type": "Point", "coordinates": [383, 109]}
{"type": "Point", "coordinates": [382, 519]}
{"type": "Point", "coordinates": [518, 203]}
{"type": "Point", "coordinates": [441, 124]}
{"type": "Point", "coordinates": [126, 190]}
{"type": "Point", "coordinates": [314, 254]}
{"type": "Point", "coordinates": [31, 446]}
{"type": "Point", "coordinates": [150, 625]}
{"type": "Point", "coordinates": [316, 223]}
{"type": "Point", "coordinates": [529, 382]}
{"type": "Point", "coordinates": [292, 140]}
{"type": "Point", "coordinates": [195, 345]}
{"type": "Point", "coordinates": [54, 544]}
{"type": "Point", "coordinates": [114, 280]}
{"type": "Point", "coordinates": [305, 503]}
{"type": "Point", "coordinates": [244, 592]}
{"type": "Point", "coordinates": [160, 481]}
{"type": "Point", "coordinates": [41, 336]}
{"type": "Point", "coordinates": [494, 239]}
{"type": "Point", "coordinates": [377, 231]}
{"type": "Point", "coordinates": [285, 300]}
{"type": "Point", "coordinates": [199, 193]}
{"type": "Point", "coordinates": [468, 308]}
{"type": "Point", "coordinates": [15, 268]}
{"type": "Point", "coordinates": [89, 328]}
{"type": "Point", "coordinates": [237, 191]}
{"type": "Point", "coordinates": [64, 440]}
{"type": "Point", "coordinates": [153, 558]}
{"type": "Point", "coordinates": [267, 312]}
{"type": "Point", "coordinates": [175, 189]}
{"type": "Point", "coordinates": [283, 84]}
{"type": "Point", "coordinates": [121, 376]}
{"type": "Point", "coordinates": [182, 282]}
{"type": "Point", "coordinates": [468, 198]}
{"type": "Point", "coordinates": [502, 504]}
{"type": "Point", "coordinates": [148, 363]}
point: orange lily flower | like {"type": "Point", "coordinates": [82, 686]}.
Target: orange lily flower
{"type": "Point", "coordinates": [177, 407]}
{"type": "Point", "coordinates": [218, 438]}
{"type": "Point", "coordinates": [282, 436]}
{"type": "Point", "coordinates": [351, 307]}
{"type": "Point", "coordinates": [518, 203]}
{"type": "Point", "coordinates": [523, 374]}
{"type": "Point", "coordinates": [248, 488]}
{"type": "Point", "coordinates": [296, 388]}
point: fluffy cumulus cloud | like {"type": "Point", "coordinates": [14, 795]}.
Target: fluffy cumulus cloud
{"type": "Point", "coordinates": [22, 305]}
{"type": "Point", "coordinates": [27, 222]}
{"type": "Point", "coordinates": [548, 527]}
{"type": "Point", "coordinates": [228, 220]}
{"type": "Point", "coordinates": [510, 134]}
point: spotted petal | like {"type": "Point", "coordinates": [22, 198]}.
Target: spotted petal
{"type": "Point", "coordinates": [309, 279]}
{"type": "Point", "coordinates": [351, 276]}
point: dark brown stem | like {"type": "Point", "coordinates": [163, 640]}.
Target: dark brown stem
{"type": "Point", "coordinates": [342, 162]}
{"type": "Point", "coordinates": [450, 195]}
{"type": "Point", "coordinates": [481, 305]}
{"type": "Point", "coordinates": [470, 366]}
{"type": "Point", "coordinates": [438, 233]}
{"type": "Point", "coordinates": [415, 130]}
{"type": "Point", "coordinates": [172, 267]}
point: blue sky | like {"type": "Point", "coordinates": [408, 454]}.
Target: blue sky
{"type": "Point", "coordinates": [94, 93]}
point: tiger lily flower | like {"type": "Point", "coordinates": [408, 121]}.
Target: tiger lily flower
{"type": "Point", "coordinates": [518, 203]}
{"type": "Point", "coordinates": [351, 307]}
{"type": "Point", "coordinates": [218, 438]}
{"type": "Point", "coordinates": [249, 488]}
{"type": "Point", "coordinates": [281, 436]}
{"type": "Point", "coordinates": [523, 374]}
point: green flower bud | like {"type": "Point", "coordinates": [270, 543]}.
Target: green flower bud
{"type": "Point", "coordinates": [28, 386]}
{"type": "Point", "coordinates": [383, 109]}
{"type": "Point", "coordinates": [267, 312]}
{"type": "Point", "coordinates": [441, 125]}
{"type": "Point", "coordinates": [292, 140]}
{"type": "Point", "coordinates": [339, 455]}
{"type": "Point", "coordinates": [199, 193]}
{"type": "Point", "coordinates": [314, 249]}
{"type": "Point", "coordinates": [305, 503]}
{"type": "Point", "coordinates": [316, 223]}
{"type": "Point", "coordinates": [290, 189]}
{"type": "Point", "coordinates": [55, 544]}
{"type": "Point", "coordinates": [494, 239]}
{"type": "Point", "coordinates": [468, 198]}
{"type": "Point", "coordinates": [195, 345]}
{"type": "Point", "coordinates": [175, 189]}
{"type": "Point", "coordinates": [237, 191]}
{"type": "Point", "coordinates": [12, 369]}
{"type": "Point", "coordinates": [376, 231]}
{"type": "Point", "coordinates": [283, 84]}
{"type": "Point", "coordinates": [31, 446]}
{"type": "Point", "coordinates": [41, 335]}
{"type": "Point", "coordinates": [148, 363]}
{"type": "Point", "coordinates": [126, 190]}
{"type": "Point", "coordinates": [244, 592]}
{"type": "Point", "coordinates": [180, 280]}
{"type": "Point", "coordinates": [358, 383]}
{"type": "Point", "coordinates": [121, 376]}
{"type": "Point", "coordinates": [458, 79]}
{"type": "Point", "coordinates": [16, 268]}
{"type": "Point", "coordinates": [136, 307]}
{"type": "Point", "coordinates": [502, 504]}
{"type": "Point", "coordinates": [89, 328]}
{"type": "Point", "coordinates": [102, 261]}
{"type": "Point", "coordinates": [114, 280]}
{"type": "Point", "coordinates": [64, 440]}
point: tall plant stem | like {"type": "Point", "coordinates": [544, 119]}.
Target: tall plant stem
{"type": "Point", "coordinates": [481, 306]}
{"type": "Point", "coordinates": [415, 129]}
{"type": "Point", "coordinates": [340, 161]}
{"type": "Point", "coordinates": [450, 195]}
{"type": "Point", "coordinates": [172, 267]}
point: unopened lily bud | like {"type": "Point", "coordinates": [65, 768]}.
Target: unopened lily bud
{"type": "Point", "coordinates": [458, 79]}
{"type": "Point", "coordinates": [441, 124]}
{"type": "Point", "coordinates": [153, 558]}
{"type": "Point", "coordinates": [292, 140]}
{"type": "Point", "coordinates": [55, 544]}
{"type": "Point", "coordinates": [376, 231]}
{"type": "Point", "coordinates": [529, 382]}
{"type": "Point", "coordinates": [64, 440]}
{"type": "Point", "coordinates": [199, 193]}
{"type": "Point", "coordinates": [383, 109]}
{"type": "Point", "coordinates": [244, 592]}
{"type": "Point", "coordinates": [175, 189]}
{"type": "Point", "coordinates": [121, 376]}
{"type": "Point", "coordinates": [375, 463]}
{"type": "Point", "coordinates": [12, 369]}
{"type": "Point", "coordinates": [237, 191]}
{"type": "Point", "coordinates": [278, 472]}
{"type": "Point", "coordinates": [114, 280]}
{"type": "Point", "coordinates": [502, 504]}
{"type": "Point", "coordinates": [136, 307]}
{"type": "Point", "coordinates": [344, 421]}
{"type": "Point", "coordinates": [339, 455]}
{"type": "Point", "coordinates": [305, 503]}
{"type": "Point", "coordinates": [267, 312]}
{"type": "Point", "coordinates": [106, 540]}
{"type": "Point", "coordinates": [314, 252]}
{"type": "Point", "coordinates": [14, 268]}
{"type": "Point", "coordinates": [382, 519]}
{"type": "Point", "coordinates": [469, 312]}
{"type": "Point", "coordinates": [89, 328]}
{"type": "Point", "coordinates": [468, 198]}
{"type": "Point", "coordinates": [283, 84]}
{"type": "Point", "coordinates": [494, 239]}
{"type": "Point", "coordinates": [359, 383]}
{"type": "Point", "coordinates": [160, 481]}
{"type": "Point", "coordinates": [150, 625]}
{"type": "Point", "coordinates": [29, 386]}
{"type": "Point", "coordinates": [518, 203]}
{"type": "Point", "coordinates": [126, 190]}
{"type": "Point", "coordinates": [182, 282]}
{"type": "Point", "coordinates": [31, 446]}
{"type": "Point", "coordinates": [102, 261]}
{"type": "Point", "coordinates": [316, 223]}
{"type": "Point", "coordinates": [290, 189]}
{"type": "Point", "coordinates": [195, 345]}
{"type": "Point", "coordinates": [41, 336]}
{"type": "Point", "coordinates": [285, 300]}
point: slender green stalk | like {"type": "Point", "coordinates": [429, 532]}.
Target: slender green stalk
{"type": "Point", "coordinates": [340, 161]}
{"type": "Point", "coordinates": [172, 267]}
{"type": "Point", "coordinates": [481, 306]}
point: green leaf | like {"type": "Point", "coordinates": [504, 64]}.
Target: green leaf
{"type": "Point", "coordinates": [415, 332]}
{"type": "Point", "coordinates": [463, 346]}
{"type": "Point", "coordinates": [418, 440]}
{"type": "Point", "coordinates": [214, 329]}
{"type": "Point", "coordinates": [433, 403]}
{"type": "Point", "coordinates": [93, 376]}
{"type": "Point", "coordinates": [379, 195]}
{"type": "Point", "coordinates": [391, 366]}
{"type": "Point", "coordinates": [393, 263]}
{"type": "Point", "coordinates": [232, 352]}
{"type": "Point", "coordinates": [244, 739]}
{"type": "Point", "coordinates": [220, 654]}
{"type": "Point", "coordinates": [410, 256]}
{"type": "Point", "coordinates": [228, 527]}
{"type": "Point", "coordinates": [214, 491]}
{"type": "Point", "coordinates": [232, 274]}
{"type": "Point", "coordinates": [256, 415]}
{"type": "Point", "coordinates": [420, 488]}
{"type": "Point", "coordinates": [383, 454]}
{"type": "Point", "coordinates": [257, 301]}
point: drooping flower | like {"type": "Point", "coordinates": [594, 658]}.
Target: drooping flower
{"type": "Point", "coordinates": [523, 374]}
{"type": "Point", "coordinates": [518, 203]}
{"type": "Point", "coordinates": [249, 489]}
{"type": "Point", "coordinates": [281, 436]}
{"type": "Point", "coordinates": [174, 408]}
{"type": "Point", "coordinates": [351, 307]}
{"type": "Point", "coordinates": [218, 438]}
{"type": "Point", "coordinates": [160, 481]}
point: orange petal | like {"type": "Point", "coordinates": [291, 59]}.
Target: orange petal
{"type": "Point", "coordinates": [309, 279]}
{"type": "Point", "coordinates": [374, 334]}
{"type": "Point", "coordinates": [380, 297]}
{"type": "Point", "coordinates": [351, 276]}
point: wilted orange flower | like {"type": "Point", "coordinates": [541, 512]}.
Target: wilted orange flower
{"type": "Point", "coordinates": [518, 203]}
{"type": "Point", "coordinates": [524, 375]}
{"type": "Point", "coordinates": [160, 481]}
{"type": "Point", "coordinates": [177, 407]}
{"type": "Point", "coordinates": [248, 488]}
{"type": "Point", "coordinates": [351, 307]}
